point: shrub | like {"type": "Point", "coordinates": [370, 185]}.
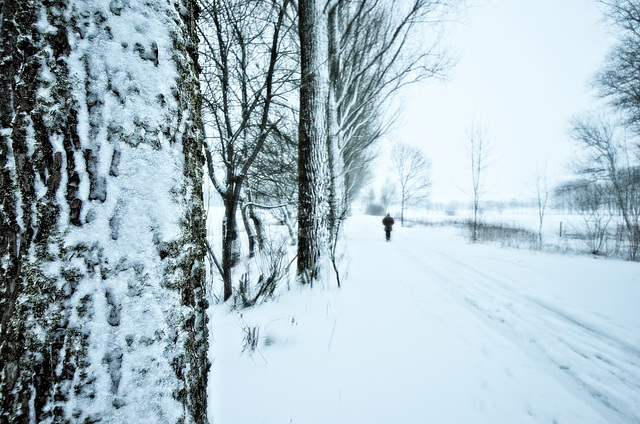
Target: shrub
{"type": "Point", "coordinates": [271, 266]}
{"type": "Point", "coordinates": [508, 236]}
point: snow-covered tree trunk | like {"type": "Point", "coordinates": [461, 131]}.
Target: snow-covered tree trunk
{"type": "Point", "coordinates": [336, 193]}
{"type": "Point", "coordinates": [103, 310]}
{"type": "Point", "coordinates": [312, 150]}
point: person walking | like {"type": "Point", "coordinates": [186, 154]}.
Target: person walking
{"type": "Point", "coordinates": [387, 221]}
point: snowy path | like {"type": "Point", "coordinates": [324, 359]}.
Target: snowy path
{"type": "Point", "coordinates": [430, 329]}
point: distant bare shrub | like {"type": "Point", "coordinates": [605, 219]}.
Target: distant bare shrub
{"type": "Point", "coordinates": [594, 202]}
{"type": "Point", "coordinates": [594, 234]}
{"type": "Point", "coordinates": [507, 236]}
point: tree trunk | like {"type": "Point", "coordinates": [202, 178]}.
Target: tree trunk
{"type": "Point", "coordinates": [251, 235]}
{"type": "Point", "coordinates": [249, 217]}
{"type": "Point", "coordinates": [474, 230]}
{"type": "Point", "coordinates": [230, 241]}
{"type": "Point", "coordinates": [402, 200]}
{"type": "Point", "coordinates": [103, 309]}
{"type": "Point", "coordinates": [312, 133]}
{"type": "Point", "coordinates": [286, 219]}
{"type": "Point", "coordinates": [259, 228]}
{"type": "Point", "coordinates": [336, 194]}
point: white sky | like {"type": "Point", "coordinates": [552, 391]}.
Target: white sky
{"type": "Point", "coordinates": [523, 68]}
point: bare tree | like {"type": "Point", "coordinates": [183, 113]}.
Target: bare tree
{"type": "Point", "coordinates": [358, 166]}
{"type": "Point", "coordinates": [607, 157]}
{"type": "Point", "coordinates": [274, 176]}
{"type": "Point", "coordinates": [542, 197]}
{"type": "Point", "coordinates": [594, 206]}
{"type": "Point", "coordinates": [479, 152]}
{"type": "Point", "coordinates": [619, 78]}
{"type": "Point", "coordinates": [241, 51]}
{"type": "Point", "coordinates": [388, 193]}
{"type": "Point", "coordinates": [102, 297]}
{"type": "Point", "coordinates": [413, 173]}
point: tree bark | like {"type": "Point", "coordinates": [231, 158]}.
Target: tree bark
{"type": "Point", "coordinates": [312, 134]}
{"type": "Point", "coordinates": [103, 307]}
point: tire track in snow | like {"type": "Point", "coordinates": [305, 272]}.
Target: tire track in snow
{"type": "Point", "coordinates": [599, 365]}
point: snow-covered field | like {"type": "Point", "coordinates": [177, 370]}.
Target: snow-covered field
{"type": "Point", "coordinates": [431, 329]}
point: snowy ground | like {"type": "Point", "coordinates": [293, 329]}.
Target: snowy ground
{"type": "Point", "coordinates": [430, 329]}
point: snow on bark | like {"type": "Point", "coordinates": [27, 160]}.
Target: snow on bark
{"type": "Point", "coordinates": [103, 305]}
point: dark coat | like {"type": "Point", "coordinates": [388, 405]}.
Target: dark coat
{"type": "Point", "coordinates": [387, 221]}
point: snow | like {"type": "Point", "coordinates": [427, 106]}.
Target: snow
{"type": "Point", "coordinates": [431, 329]}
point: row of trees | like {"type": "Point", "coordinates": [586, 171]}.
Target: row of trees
{"type": "Point", "coordinates": [295, 100]}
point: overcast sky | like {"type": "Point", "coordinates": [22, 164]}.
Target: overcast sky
{"type": "Point", "coordinates": [524, 69]}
